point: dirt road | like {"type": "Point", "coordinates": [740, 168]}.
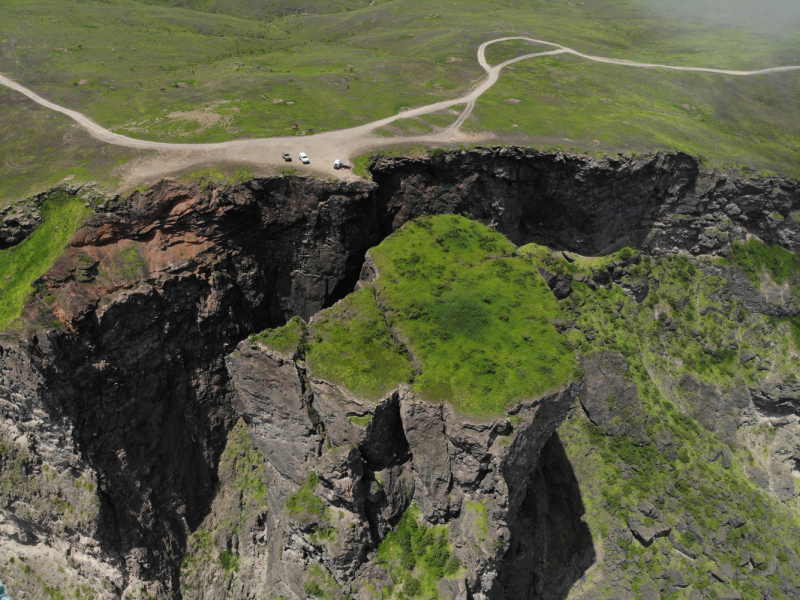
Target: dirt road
{"type": "Point", "coordinates": [324, 148]}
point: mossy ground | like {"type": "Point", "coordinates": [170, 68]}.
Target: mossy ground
{"type": "Point", "coordinates": [753, 257]}
{"type": "Point", "coordinates": [23, 264]}
{"type": "Point", "coordinates": [456, 300]}
{"type": "Point", "coordinates": [240, 501]}
{"type": "Point", "coordinates": [303, 504]}
{"type": "Point", "coordinates": [688, 324]}
{"type": "Point", "coordinates": [286, 339]}
{"type": "Point", "coordinates": [417, 558]}
{"type": "Point", "coordinates": [477, 316]}
{"type": "Point", "coordinates": [351, 344]}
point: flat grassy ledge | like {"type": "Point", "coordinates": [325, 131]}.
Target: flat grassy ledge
{"type": "Point", "coordinates": [23, 264]}
{"type": "Point", "coordinates": [475, 315]}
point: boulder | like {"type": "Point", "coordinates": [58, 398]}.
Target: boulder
{"type": "Point", "coordinates": [723, 572]}
{"type": "Point", "coordinates": [648, 592]}
{"type": "Point", "coordinates": [561, 284]}
{"type": "Point", "coordinates": [646, 534]}
{"type": "Point", "coordinates": [609, 399]}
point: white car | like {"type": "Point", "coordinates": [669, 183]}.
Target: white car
{"type": "Point", "coordinates": [304, 158]}
{"type": "Point", "coordinates": [337, 164]}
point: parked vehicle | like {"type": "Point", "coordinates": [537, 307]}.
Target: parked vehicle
{"type": "Point", "coordinates": [337, 164]}
{"type": "Point", "coordinates": [304, 158]}
{"type": "Point", "coordinates": [287, 157]}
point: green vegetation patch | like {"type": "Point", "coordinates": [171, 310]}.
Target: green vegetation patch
{"type": "Point", "coordinates": [456, 311]}
{"type": "Point", "coordinates": [351, 344]}
{"type": "Point", "coordinates": [218, 176]}
{"type": "Point", "coordinates": [361, 421]}
{"type": "Point", "coordinates": [477, 316]}
{"type": "Point", "coordinates": [478, 510]}
{"type": "Point", "coordinates": [321, 584]}
{"type": "Point", "coordinates": [303, 502]}
{"type": "Point", "coordinates": [286, 339]}
{"type": "Point", "coordinates": [687, 326]}
{"type": "Point", "coordinates": [418, 557]}
{"type": "Point", "coordinates": [554, 261]}
{"type": "Point", "coordinates": [754, 256]}
{"type": "Point", "coordinates": [26, 262]}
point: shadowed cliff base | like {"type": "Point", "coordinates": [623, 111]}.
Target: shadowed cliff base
{"type": "Point", "coordinates": [554, 546]}
{"type": "Point", "coordinates": [131, 354]}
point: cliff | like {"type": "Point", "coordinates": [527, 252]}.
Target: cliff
{"type": "Point", "coordinates": [117, 401]}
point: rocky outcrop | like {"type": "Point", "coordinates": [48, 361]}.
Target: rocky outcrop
{"type": "Point", "coordinates": [127, 333]}
{"type": "Point", "coordinates": [20, 219]}
{"type": "Point", "coordinates": [49, 506]}
{"type": "Point", "coordinates": [660, 203]}
{"type": "Point", "coordinates": [135, 366]}
{"type": "Point", "coordinates": [611, 402]}
{"type": "Point", "coordinates": [330, 453]}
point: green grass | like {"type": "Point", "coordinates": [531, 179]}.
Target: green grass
{"type": "Point", "coordinates": [218, 176]}
{"type": "Point", "coordinates": [417, 557]}
{"type": "Point", "coordinates": [477, 317]}
{"type": "Point", "coordinates": [478, 509]}
{"type": "Point", "coordinates": [554, 261]}
{"type": "Point", "coordinates": [361, 421]}
{"type": "Point", "coordinates": [286, 339]}
{"type": "Point", "coordinates": [321, 584]}
{"type": "Point", "coordinates": [211, 71]}
{"type": "Point", "coordinates": [350, 344]}
{"type": "Point", "coordinates": [569, 102]}
{"type": "Point", "coordinates": [228, 561]}
{"type": "Point", "coordinates": [41, 147]}
{"type": "Point", "coordinates": [22, 265]}
{"type": "Point", "coordinates": [303, 503]}
{"type": "Point", "coordinates": [245, 464]}
{"type": "Point", "coordinates": [754, 256]}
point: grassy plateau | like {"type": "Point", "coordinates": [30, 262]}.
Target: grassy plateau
{"type": "Point", "coordinates": [455, 311]}
{"type": "Point", "coordinates": [205, 71]}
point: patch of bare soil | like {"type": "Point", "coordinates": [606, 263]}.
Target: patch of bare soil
{"type": "Point", "coordinates": [181, 123]}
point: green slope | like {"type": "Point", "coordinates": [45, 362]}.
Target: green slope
{"type": "Point", "coordinates": [204, 71]}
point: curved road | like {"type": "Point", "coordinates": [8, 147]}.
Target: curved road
{"type": "Point", "coordinates": [324, 148]}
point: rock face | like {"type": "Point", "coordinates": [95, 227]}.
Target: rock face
{"type": "Point", "coordinates": [471, 474]}
{"type": "Point", "coordinates": [20, 219]}
{"type": "Point", "coordinates": [133, 385]}
{"type": "Point", "coordinates": [661, 204]}
{"type": "Point", "coordinates": [611, 402]}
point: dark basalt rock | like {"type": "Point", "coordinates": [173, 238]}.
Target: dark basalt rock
{"type": "Point", "coordinates": [561, 285]}
{"type": "Point", "coordinates": [611, 402]}
{"type": "Point", "coordinates": [132, 389]}
{"type": "Point", "coordinates": [440, 460]}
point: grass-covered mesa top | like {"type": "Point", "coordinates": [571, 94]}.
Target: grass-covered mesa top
{"type": "Point", "coordinates": [455, 311]}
